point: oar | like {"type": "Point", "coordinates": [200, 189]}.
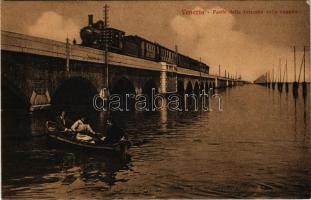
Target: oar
{"type": "Point", "coordinates": [99, 136]}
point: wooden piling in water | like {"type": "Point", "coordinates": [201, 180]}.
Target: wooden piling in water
{"type": "Point", "coordinates": [304, 84]}
{"type": "Point", "coordinates": [286, 81]}
{"type": "Point", "coordinates": [273, 82]}
{"type": "Point", "coordinates": [280, 83]}
{"type": "Point", "coordinates": [295, 83]}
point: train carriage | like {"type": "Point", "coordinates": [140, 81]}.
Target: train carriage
{"type": "Point", "coordinates": [183, 61]}
{"type": "Point", "coordinates": [167, 55]}
{"type": "Point", "coordinates": [146, 49]}
{"type": "Point", "coordinates": [130, 48]}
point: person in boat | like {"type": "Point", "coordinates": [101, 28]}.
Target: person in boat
{"type": "Point", "coordinates": [62, 123]}
{"type": "Point", "coordinates": [113, 132]}
{"type": "Point", "coordinates": [82, 127]}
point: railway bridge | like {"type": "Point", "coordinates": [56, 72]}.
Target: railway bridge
{"type": "Point", "coordinates": [38, 73]}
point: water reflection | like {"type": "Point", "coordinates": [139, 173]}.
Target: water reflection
{"type": "Point", "coordinates": [163, 116]}
{"type": "Point", "coordinates": [92, 169]}
{"type": "Point", "coordinates": [43, 166]}
{"type": "Point", "coordinates": [258, 147]}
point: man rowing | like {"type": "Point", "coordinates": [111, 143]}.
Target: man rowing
{"type": "Point", "coordinates": [62, 123]}
{"type": "Point", "coordinates": [113, 132]}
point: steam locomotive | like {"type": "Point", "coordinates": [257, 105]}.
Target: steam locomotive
{"type": "Point", "coordinates": [95, 35]}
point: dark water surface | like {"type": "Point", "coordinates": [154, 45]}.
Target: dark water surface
{"type": "Point", "coordinates": [259, 146]}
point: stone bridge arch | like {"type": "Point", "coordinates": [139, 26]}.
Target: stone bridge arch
{"type": "Point", "coordinates": [196, 89]}
{"type": "Point", "coordinates": [14, 110]}
{"type": "Point", "coordinates": [123, 92]}
{"type": "Point", "coordinates": [180, 87]}
{"type": "Point", "coordinates": [12, 97]}
{"type": "Point", "coordinates": [74, 95]}
{"type": "Point", "coordinates": [206, 87]}
{"type": "Point", "coordinates": [189, 88]}
{"type": "Point", "coordinates": [137, 78]}
{"type": "Point", "coordinates": [123, 85]}
{"type": "Point", "coordinates": [147, 87]}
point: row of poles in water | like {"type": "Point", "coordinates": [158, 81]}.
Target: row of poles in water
{"type": "Point", "coordinates": [272, 81]}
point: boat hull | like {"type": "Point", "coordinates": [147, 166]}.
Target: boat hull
{"type": "Point", "coordinates": [68, 141]}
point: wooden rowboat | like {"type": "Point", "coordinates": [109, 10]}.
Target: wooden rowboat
{"type": "Point", "coordinates": [68, 139]}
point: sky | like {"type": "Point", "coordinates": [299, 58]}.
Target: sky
{"type": "Point", "coordinates": [249, 43]}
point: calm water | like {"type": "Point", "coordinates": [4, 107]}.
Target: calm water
{"type": "Point", "coordinates": [259, 146]}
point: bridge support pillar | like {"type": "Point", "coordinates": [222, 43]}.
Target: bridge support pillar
{"type": "Point", "coordinates": [168, 78]}
{"type": "Point", "coordinates": [216, 83]}
{"type": "Point", "coordinates": [163, 80]}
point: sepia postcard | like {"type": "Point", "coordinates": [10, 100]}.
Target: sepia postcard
{"type": "Point", "coordinates": [155, 99]}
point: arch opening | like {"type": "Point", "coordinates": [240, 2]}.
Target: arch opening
{"type": "Point", "coordinates": [180, 89]}
{"type": "Point", "coordinates": [206, 87]}
{"type": "Point", "coordinates": [189, 98]}
{"type": "Point", "coordinates": [124, 87]}
{"type": "Point", "coordinates": [15, 111]}
{"type": "Point", "coordinates": [181, 93]}
{"type": "Point", "coordinates": [196, 90]}
{"type": "Point", "coordinates": [75, 96]}
{"type": "Point", "coordinates": [149, 88]}
{"type": "Point", "coordinates": [189, 89]}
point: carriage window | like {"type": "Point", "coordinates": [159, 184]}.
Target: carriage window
{"type": "Point", "coordinates": [142, 48]}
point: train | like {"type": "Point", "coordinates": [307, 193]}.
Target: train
{"type": "Point", "coordinates": [96, 35]}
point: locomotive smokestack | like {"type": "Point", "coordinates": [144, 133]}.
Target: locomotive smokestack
{"type": "Point", "coordinates": [90, 20]}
